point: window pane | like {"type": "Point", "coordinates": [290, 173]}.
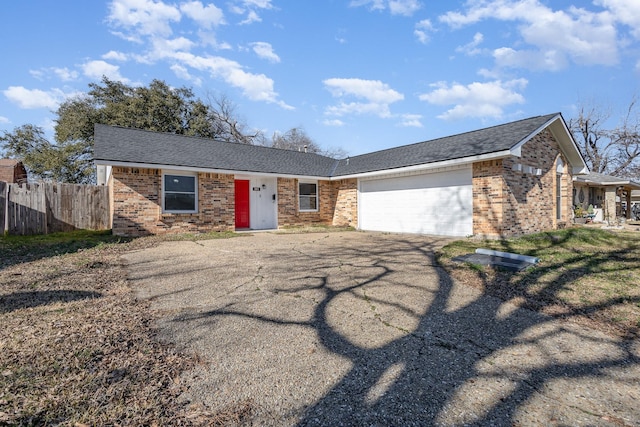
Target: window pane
{"type": "Point", "coordinates": [308, 203]}
{"type": "Point", "coordinates": [179, 202]}
{"type": "Point", "coordinates": [307, 189]}
{"type": "Point", "coordinates": [184, 184]}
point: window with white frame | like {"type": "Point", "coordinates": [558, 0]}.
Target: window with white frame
{"type": "Point", "coordinates": [559, 171]}
{"type": "Point", "coordinates": [308, 196]}
{"type": "Point", "coordinates": [179, 193]}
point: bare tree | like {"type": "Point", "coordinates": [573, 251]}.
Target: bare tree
{"type": "Point", "coordinates": [226, 123]}
{"type": "Point", "coordinates": [610, 151]}
{"type": "Point", "coordinates": [298, 140]}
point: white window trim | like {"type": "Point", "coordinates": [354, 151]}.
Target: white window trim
{"type": "Point", "coordinates": [309, 181]}
{"type": "Point", "coordinates": [180, 173]}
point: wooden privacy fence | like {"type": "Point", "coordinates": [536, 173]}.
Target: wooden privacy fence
{"type": "Point", "coordinates": [45, 208]}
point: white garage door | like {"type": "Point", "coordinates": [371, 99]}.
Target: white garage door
{"type": "Point", "coordinates": [436, 203]}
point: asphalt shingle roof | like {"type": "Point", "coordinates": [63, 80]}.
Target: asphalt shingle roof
{"type": "Point", "coordinates": [118, 144]}
{"type": "Point", "coordinates": [478, 142]}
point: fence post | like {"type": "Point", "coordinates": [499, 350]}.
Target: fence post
{"type": "Point", "coordinates": [5, 207]}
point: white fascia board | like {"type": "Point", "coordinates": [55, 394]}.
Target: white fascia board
{"type": "Point", "coordinates": [428, 166]}
{"type": "Point", "coordinates": [568, 144]}
{"type": "Point", "coordinates": [609, 183]}
{"type": "Point", "coordinates": [206, 170]}
{"type": "Point", "coordinates": [558, 128]}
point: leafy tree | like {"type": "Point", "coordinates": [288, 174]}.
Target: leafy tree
{"type": "Point", "coordinates": [157, 107]}
{"type": "Point", "coordinates": [609, 151]}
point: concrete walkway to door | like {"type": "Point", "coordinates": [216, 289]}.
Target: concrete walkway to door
{"type": "Point", "coordinates": [364, 329]}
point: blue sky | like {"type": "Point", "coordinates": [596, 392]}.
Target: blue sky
{"type": "Point", "coordinates": [361, 75]}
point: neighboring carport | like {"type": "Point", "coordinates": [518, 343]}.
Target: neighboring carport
{"type": "Point", "coordinates": [611, 196]}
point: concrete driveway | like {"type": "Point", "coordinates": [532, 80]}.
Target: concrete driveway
{"type": "Point", "coordinates": [364, 329]}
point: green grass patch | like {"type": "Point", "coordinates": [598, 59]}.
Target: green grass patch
{"type": "Point", "coordinates": [583, 272]}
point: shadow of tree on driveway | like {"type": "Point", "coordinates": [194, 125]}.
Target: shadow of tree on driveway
{"type": "Point", "coordinates": [444, 354]}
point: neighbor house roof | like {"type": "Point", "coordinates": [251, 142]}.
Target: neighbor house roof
{"type": "Point", "coordinates": [12, 170]}
{"type": "Point", "coordinates": [605, 180]}
{"type": "Point", "coordinates": [123, 146]}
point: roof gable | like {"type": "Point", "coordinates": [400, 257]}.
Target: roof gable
{"type": "Point", "coordinates": [117, 145]}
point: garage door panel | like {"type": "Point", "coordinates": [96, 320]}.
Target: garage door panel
{"type": "Point", "coordinates": [439, 203]}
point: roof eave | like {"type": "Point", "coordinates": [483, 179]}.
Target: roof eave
{"type": "Point", "coordinates": [428, 166]}
{"type": "Point", "coordinates": [204, 170]}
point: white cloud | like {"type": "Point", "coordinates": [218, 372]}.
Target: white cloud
{"type": "Point", "coordinates": [550, 60]}
{"type": "Point", "coordinates": [624, 11]}
{"type": "Point", "coordinates": [372, 97]}
{"type": "Point", "coordinates": [206, 16]}
{"type": "Point", "coordinates": [584, 37]}
{"type": "Point", "coordinates": [396, 7]}
{"type": "Point", "coordinates": [252, 16]}
{"type": "Point", "coordinates": [471, 48]}
{"type": "Point", "coordinates": [411, 120]}
{"type": "Point", "coordinates": [476, 99]}
{"type": "Point", "coordinates": [422, 30]}
{"type": "Point", "coordinates": [96, 69]}
{"type": "Point", "coordinates": [359, 108]}
{"type": "Point", "coordinates": [260, 4]}
{"type": "Point", "coordinates": [265, 50]}
{"type": "Point", "coordinates": [34, 98]}
{"type": "Point", "coordinates": [37, 74]}
{"type": "Point", "coordinates": [150, 22]}
{"type": "Point", "coordinates": [4, 120]}
{"type": "Point", "coordinates": [183, 73]}
{"type": "Point", "coordinates": [251, 8]}
{"type": "Point", "coordinates": [163, 48]}
{"type": "Point", "coordinates": [374, 4]}
{"type": "Point", "coordinates": [371, 90]}
{"type": "Point", "coordinates": [146, 17]}
{"type": "Point", "coordinates": [488, 74]}
{"type": "Point", "coordinates": [333, 122]}
{"type": "Point", "coordinates": [112, 55]}
{"type": "Point", "coordinates": [257, 87]}
{"type": "Point", "coordinates": [404, 7]}
{"type": "Point", "coordinates": [65, 74]}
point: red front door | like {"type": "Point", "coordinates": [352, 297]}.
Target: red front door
{"type": "Point", "coordinates": [242, 203]}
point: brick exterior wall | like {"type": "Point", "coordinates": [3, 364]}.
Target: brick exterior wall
{"type": "Point", "coordinates": [137, 207]}
{"type": "Point", "coordinates": [512, 203]}
{"type": "Point", "coordinates": [346, 206]}
{"type": "Point", "coordinates": [337, 204]}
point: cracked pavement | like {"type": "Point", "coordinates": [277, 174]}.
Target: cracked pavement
{"type": "Point", "coordinates": [365, 329]}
